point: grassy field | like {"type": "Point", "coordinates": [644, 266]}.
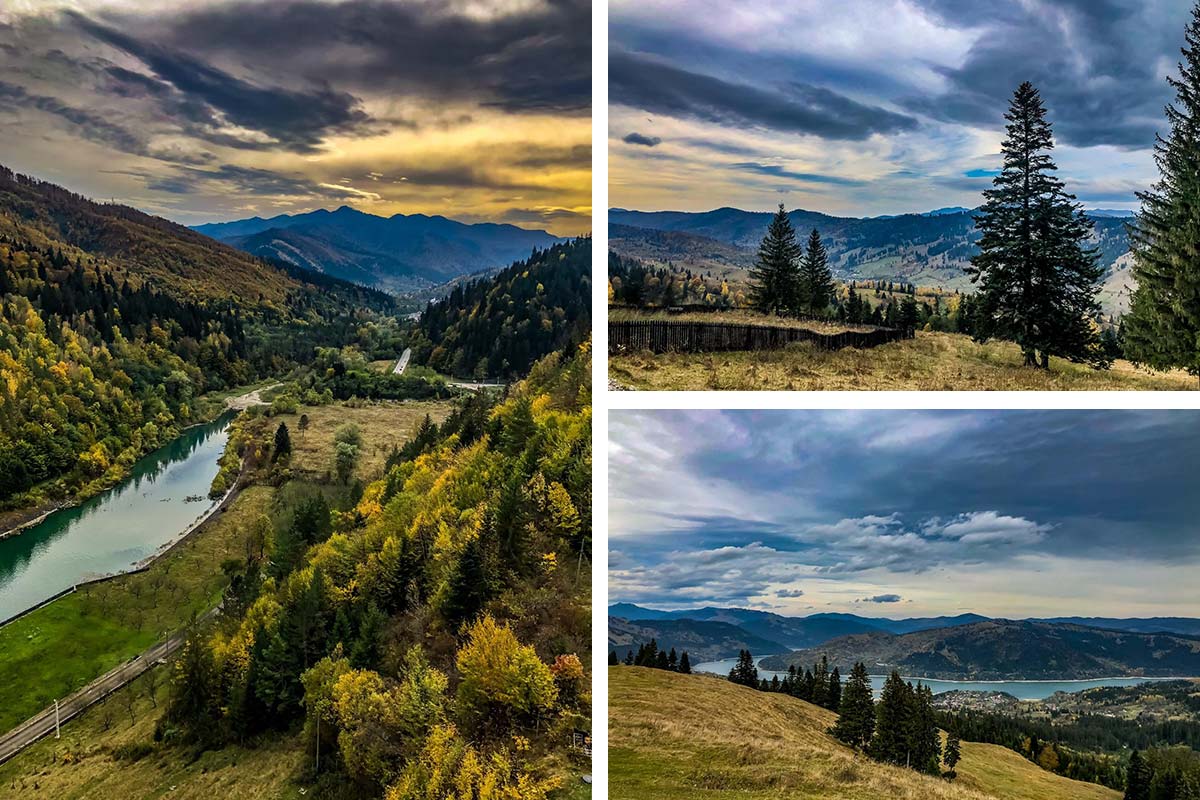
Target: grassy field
{"type": "Point", "coordinates": [734, 317]}
{"type": "Point", "coordinates": [108, 753]}
{"type": "Point", "coordinates": [931, 362]}
{"type": "Point", "coordinates": [383, 425]}
{"type": "Point", "coordinates": [695, 736]}
{"type": "Point", "coordinates": [57, 649]}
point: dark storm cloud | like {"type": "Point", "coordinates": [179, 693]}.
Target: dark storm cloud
{"type": "Point", "coordinates": [298, 119]}
{"type": "Point", "coordinates": [90, 125]}
{"type": "Point", "coordinates": [1096, 63]}
{"type": "Point", "coordinates": [777, 171]}
{"type": "Point", "coordinates": [537, 59]}
{"type": "Point", "coordinates": [881, 598]}
{"type": "Point", "coordinates": [640, 139]}
{"type": "Point", "coordinates": [653, 85]}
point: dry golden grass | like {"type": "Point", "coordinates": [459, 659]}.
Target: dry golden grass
{"type": "Point", "coordinates": [734, 317]}
{"type": "Point", "coordinates": [384, 425]}
{"type": "Point", "coordinates": [931, 362]}
{"type": "Point", "coordinates": [84, 764]}
{"type": "Point", "coordinates": [696, 736]}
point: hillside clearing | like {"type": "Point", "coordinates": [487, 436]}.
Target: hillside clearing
{"type": "Point", "coordinates": [697, 736]}
{"type": "Point", "coordinates": [108, 754]}
{"type": "Point", "coordinates": [384, 425]}
{"type": "Point", "coordinates": [930, 362]}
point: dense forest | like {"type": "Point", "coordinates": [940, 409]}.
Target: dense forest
{"type": "Point", "coordinates": [1088, 747]}
{"type": "Point", "coordinates": [496, 327]}
{"type": "Point", "coordinates": [105, 354]}
{"type": "Point", "coordinates": [649, 655]}
{"type": "Point", "coordinates": [433, 640]}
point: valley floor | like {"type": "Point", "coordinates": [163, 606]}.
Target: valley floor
{"type": "Point", "coordinates": [930, 362]}
{"type": "Point", "coordinates": [698, 736]}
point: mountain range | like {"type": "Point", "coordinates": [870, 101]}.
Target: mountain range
{"type": "Point", "coordinates": [925, 249]}
{"type": "Point", "coordinates": [1000, 649]}
{"type": "Point", "coordinates": [399, 253]}
{"type": "Point", "coordinates": [779, 634]}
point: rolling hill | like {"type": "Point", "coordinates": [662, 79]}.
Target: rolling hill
{"type": "Point", "coordinates": [927, 249]}
{"type": "Point", "coordinates": [1011, 650]}
{"type": "Point", "coordinates": [397, 253]}
{"type": "Point", "coordinates": [136, 246]}
{"type": "Point", "coordinates": [703, 641]}
{"type": "Point", "coordinates": [695, 736]}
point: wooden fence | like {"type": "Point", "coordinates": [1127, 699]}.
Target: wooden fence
{"type": "Point", "coordinates": [671, 336]}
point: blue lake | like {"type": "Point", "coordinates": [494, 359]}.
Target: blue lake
{"type": "Point", "coordinates": [1022, 690]}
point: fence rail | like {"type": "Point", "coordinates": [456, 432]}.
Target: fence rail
{"type": "Point", "coordinates": [671, 336]}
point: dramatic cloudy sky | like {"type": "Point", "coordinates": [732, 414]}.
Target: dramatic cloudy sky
{"type": "Point", "coordinates": [907, 513]}
{"type": "Point", "coordinates": [218, 109]}
{"type": "Point", "coordinates": [877, 106]}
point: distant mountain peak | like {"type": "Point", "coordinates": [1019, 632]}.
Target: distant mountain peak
{"type": "Point", "coordinates": [397, 253]}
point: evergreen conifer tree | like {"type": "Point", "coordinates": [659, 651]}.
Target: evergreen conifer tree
{"type": "Point", "coordinates": [612, 658]}
{"type": "Point", "coordinates": [952, 754]}
{"type": "Point", "coordinates": [834, 698]}
{"type": "Point", "coordinates": [856, 714]}
{"type": "Point", "coordinates": [1037, 281]}
{"type": "Point", "coordinates": [892, 739]}
{"type": "Point", "coordinates": [283, 442]}
{"type": "Point", "coordinates": [685, 664]}
{"type": "Point", "coordinates": [925, 743]}
{"type": "Point", "coordinates": [1162, 329]}
{"type": "Point", "coordinates": [744, 672]}
{"type": "Point", "coordinates": [775, 285]}
{"type": "Point", "coordinates": [816, 277]}
{"type": "Point", "coordinates": [1138, 778]}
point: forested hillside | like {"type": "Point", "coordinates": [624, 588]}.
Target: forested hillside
{"type": "Point", "coordinates": [114, 323]}
{"type": "Point", "coordinates": [498, 326]}
{"type": "Point", "coordinates": [433, 641]}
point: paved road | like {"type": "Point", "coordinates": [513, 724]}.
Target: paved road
{"type": "Point", "coordinates": [402, 364]}
{"type": "Point", "coordinates": [42, 724]}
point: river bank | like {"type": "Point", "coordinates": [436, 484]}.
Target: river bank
{"type": "Point", "coordinates": [14, 522]}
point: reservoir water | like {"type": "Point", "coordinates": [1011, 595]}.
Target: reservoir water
{"type": "Point", "coordinates": [165, 493]}
{"type": "Point", "coordinates": [1022, 690]}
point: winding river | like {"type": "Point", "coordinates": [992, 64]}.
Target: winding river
{"type": "Point", "coordinates": [1022, 690]}
{"type": "Point", "coordinates": [164, 494]}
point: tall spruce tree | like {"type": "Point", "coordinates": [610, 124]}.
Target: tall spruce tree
{"type": "Point", "coordinates": [925, 740]}
{"type": "Point", "coordinates": [1162, 329]}
{"type": "Point", "coordinates": [815, 276]}
{"type": "Point", "coordinates": [952, 754]}
{"type": "Point", "coordinates": [834, 699]}
{"type": "Point", "coordinates": [1037, 281]}
{"type": "Point", "coordinates": [744, 672]}
{"type": "Point", "coordinates": [775, 285]}
{"type": "Point", "coordinates": [1138, 778]}
{"type": "Point", "coordinates": [685, 664]}
{"type": "Point", "coordinates": [856, 714]}
{"type": "Point", "coordinates": [892, 740]}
